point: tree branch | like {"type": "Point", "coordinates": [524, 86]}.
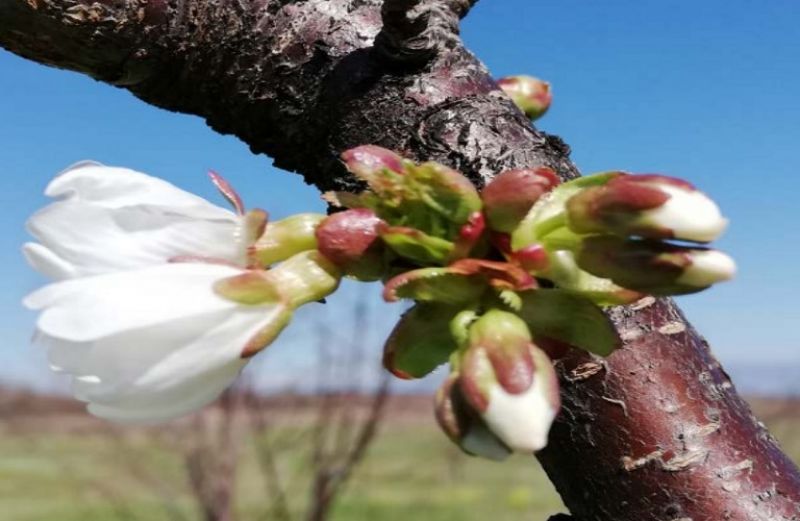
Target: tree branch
{"type": "Point", "coordinates": [656, 431]}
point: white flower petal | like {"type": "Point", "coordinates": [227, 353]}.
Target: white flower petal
{"type": "Point", "coordinates": [43, 260]}
{"type": "Point", "coordinates": [708, 267]}
{"type": "Point", "coordinates": [92, 239]}
{"type": "Point", "coordinates": [114, 187]}
{"type": "Point", "coordinates": [153, 370]}
{"type": "Point", "coordinates": [190, 365]}
{"type": "Point", "coordinates": [522, 421]}
{"type": "Point", "coordinates": [94, 307]}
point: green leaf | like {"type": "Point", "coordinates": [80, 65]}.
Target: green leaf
{"type": "Point", "coordinates": [569, 318]}
{"type": "Point", "coordinates": [421, 341]}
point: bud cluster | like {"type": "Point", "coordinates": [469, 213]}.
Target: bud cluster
{"type": "Point", "coordinates": [496, 274]}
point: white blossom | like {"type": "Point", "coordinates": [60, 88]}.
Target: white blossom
{"type": "Point", "coordinates": [108, 219]}
{"type": "Point", "coordinates": [150, 344]}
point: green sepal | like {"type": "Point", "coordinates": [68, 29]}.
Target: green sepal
{"type": "Point", "coordinates": [251, 288]}
{"type": "Point", "coordinates": [421, 341]}
{"type": "Point", "coordinates": [434, 285]}
{"type": "Point", "coordinates": [287, 237]}
{"type": "Point", "coordinates": [549, 212]}
{"type": "Point", "coordinates": [267, 334]}
{"type": "Point", "coordinates": [569, 318]}
{"type": "Point", "coordinates": [566, 274]}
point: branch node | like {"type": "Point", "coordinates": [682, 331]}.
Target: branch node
{"type": "Point", "coordinates": [415, 31]}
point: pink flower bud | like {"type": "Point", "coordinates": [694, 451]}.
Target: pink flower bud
{"type": "Point", "coordinates": [367, 160]}
{"type": "Point", "coordinates": [649, 206]}
{"type": "Point", "coordinates": [509, 196]}
{"type": "Point", "coordinates": [350, 240]}
{"type": "Point", "coordinates": [531, 95]}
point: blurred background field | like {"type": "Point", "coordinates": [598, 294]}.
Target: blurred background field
{"type": "Point", "coordinates": [58, 463]}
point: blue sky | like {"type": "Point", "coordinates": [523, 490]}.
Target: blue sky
{"type": "Point", "coordinates": [706, 90]}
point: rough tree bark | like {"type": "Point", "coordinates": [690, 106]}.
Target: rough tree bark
{"type": "Point", "coordinates": [656, 431]}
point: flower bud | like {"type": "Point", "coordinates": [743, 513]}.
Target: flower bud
{"type": "Point", "coordinates": [368, 160]}
{"type": "Point", "coordinates": [463, 425]}
{"type": "Point", "coordinates": [649, 206]}
{"type": "Point", "coordinates": [350, 240]}
{"type": "Point", "coordinates": [287, 237]}
{"type": "Point", "coordinates": [509, 381]}
{"type": "Point", "coordinates": [531, 95]}
{"type": "Point", "coordinates": [509, 196]}
{"type": "Point", "coordinates": [654, 267]}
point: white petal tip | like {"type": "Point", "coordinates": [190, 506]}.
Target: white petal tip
{"type": "Point", "coordinates": [708, 267]}
{"type": "Point", "coordinates": [690, 214]}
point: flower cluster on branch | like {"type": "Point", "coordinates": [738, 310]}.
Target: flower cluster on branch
{"type": "Point", "coordinates": [161, 297]}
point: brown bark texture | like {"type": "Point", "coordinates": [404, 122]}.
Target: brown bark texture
{"type": "Point", "coordinates": [654, 432]}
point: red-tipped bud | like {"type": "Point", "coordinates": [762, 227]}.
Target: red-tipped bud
{"type": "Point", "coordinates": [531, 95]}
{"type": "Point", "coordinates": [366, 161]}
{"type": "Point", "coordinates": [509, 196]}
{"type": "Point", "coordinates": [509, 381]}
{"type": "Point", "coordinates": [654, 267]}
{"type": "Point", "coordinates": [350, 240]}
{"type": "Point", "coordinates": [649, 206]}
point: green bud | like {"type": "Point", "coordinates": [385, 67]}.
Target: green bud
{"type": "Point", "coordinates": [416, 245]}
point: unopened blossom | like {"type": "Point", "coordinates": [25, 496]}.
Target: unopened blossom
{"type": "Point", "coordinates": [651, 206]}
{"type": "Point", "coordinates": [509, 381]}
{"type": "Point", "coordinates": [654, 267]}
